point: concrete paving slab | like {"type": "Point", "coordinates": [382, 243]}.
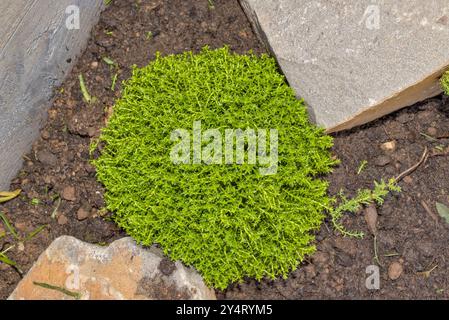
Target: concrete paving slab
{"type": "Point", "coordinates": [356, 60]}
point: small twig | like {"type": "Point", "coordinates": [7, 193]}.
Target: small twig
{"type": "Point", "coordinates": [431, 138]}
{"type": "Point", "coordinates": [389, 255]}
{"type": "Point", "coordinates": [427, 273]}
{"type": "Point", "coordinates": [376, 255]}
{"type": "Point", "coordinates": [431, 214]}
{"type": "Point", "coordinates": [413, 168]}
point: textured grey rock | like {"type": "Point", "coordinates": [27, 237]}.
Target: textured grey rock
{"type": "Point", "coordinates": [121, 271]}
{"type": "Point", "coordinates": [356, 60]}
{"type": "Point", "coordinates": [35, 45]}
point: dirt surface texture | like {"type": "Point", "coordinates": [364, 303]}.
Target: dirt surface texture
{"type": "Point", "coordinates": [61, 193]}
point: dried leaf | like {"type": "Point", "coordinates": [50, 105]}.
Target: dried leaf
{"type": "Point", "coordinates": [371, 218]}
{"type": "Point", "coordinates": [443, 211]}
{"type": "Point", "coordinates": [7, 195]}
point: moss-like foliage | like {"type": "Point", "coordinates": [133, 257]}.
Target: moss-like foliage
{"type": "Point", "coordinates": [445, 82]}
{"type": "Point", "coordinates": [229, 221]}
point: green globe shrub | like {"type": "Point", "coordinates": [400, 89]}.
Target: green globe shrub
{"type": "Point", "coordinates": [228, 221]}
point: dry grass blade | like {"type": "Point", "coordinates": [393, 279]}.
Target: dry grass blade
{"type": "Point", "coordinates": [426, 274]}
{"type": "Point", "coordinates": [75, 295]}
{"type": "Point", "coordinates": [35, 232]}
{"type": "Point", "coordinates": [429, 212]}
{"type": "Point", "coordinates": [7, 195]}
{"type": "Point", "coordinates": [84, 91]}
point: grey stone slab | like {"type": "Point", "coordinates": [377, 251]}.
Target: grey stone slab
{"type": "Point", "coordinates": [121, 271]}
{"type": "Point", "coordinates": [35, 45]}
{"type": "Point", "coordinates": [356, 60]}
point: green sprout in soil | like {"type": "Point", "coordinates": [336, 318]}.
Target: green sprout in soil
{"type": "Point", "coordinates": [35, 202]}
{"type": "Point", "coordinates": [445, 82]}
{"type": "Point", "coordinates": [362, 166]}
{"type": "Point", "coordinates": [109, 61]}
{"type": "Point", "coordinates": [6, 260]}
{"type": "Point", "coordinates": [229, 221]}
{"type": "Point", "coordinates": [114, 81]}
{"type": "Point", "coordinates": [9, 226]}
{"type": "Point", "coordinates": [86, 95]}
{"type": "Point", "coordinates": [20, 241]}
{"type": "Point", "coordinates": [15, 234]}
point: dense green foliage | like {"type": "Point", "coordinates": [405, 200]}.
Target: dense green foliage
{"type": "Point", "coordinates": [445, 82]}
{"type": "Point", "coordinates": [228, 221]}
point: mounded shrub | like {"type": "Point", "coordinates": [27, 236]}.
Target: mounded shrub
{"type": "Point", "coordinates": [229, 221]}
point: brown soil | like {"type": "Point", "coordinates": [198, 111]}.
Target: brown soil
{"type": "Point", "coordinates": [130, 32]}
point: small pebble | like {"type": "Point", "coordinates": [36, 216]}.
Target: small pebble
{"type": "Point", "coordinates": [408, 179]}
{"type": "Point", "coordinates": [20, 247]}
{"type": "Point", "coordinates": [82, 214]}
{"type": "Point", "coordinates": [382, 161]}
{"type": "Point", "coordinates": [69, 193]}
{"type": "Point", "coordinates": [45, 135]}
{"type": "Point", "coordinates": [46, 158]}
{"type": "Point", "coordinates": [395, 270]}
{"type": "Point", "coordinates": [389, 146]}
{"type": "Point", "coordinates": [21, 226]}
{"type": "Point", "coordinates": [94, 65]}
{"type": "Point", "coordinates": [432, 132]}
{"type": "Point", "coordinates": [405, 117]}
{"type": "Point", "coordinates": [62, 220]}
